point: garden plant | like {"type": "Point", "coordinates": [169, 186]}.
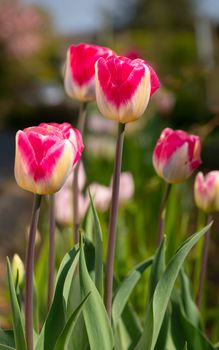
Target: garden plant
{"type": "Point", "coordinates": [86, 304]}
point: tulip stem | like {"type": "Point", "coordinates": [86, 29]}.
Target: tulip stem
{"type": "Point", "coordinates": [30, 272]}
{"type": "Point", "coordinates": [51, 261]}
{"type": "Point", "coordinates": [162, 214]}
{"type": "Point", "coordinates": [76, 217]}
{"type": "Point", "coordinates": [113, 220]}
{"type": "Point", "coordinates": [204, 263]}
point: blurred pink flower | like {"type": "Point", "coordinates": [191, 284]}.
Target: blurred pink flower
{"type": "Point", "coordinates": [127, 188]}
{"type": "Point", "coordinates": [64, 206]}
{"type": "Point", "coordinates": [98, 124]}
{"type": "Point", "coordinates": [165, 101]}
{"type": "Point", "coordinates": [101, 196]}
{"type": "Point", "coordinates": [81, 178]}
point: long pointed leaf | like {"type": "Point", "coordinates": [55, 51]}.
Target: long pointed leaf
{"type": "Point", "coordinates": [63, 339]}
{"type": "Point", "coordinates": [125, 289]}
{"type": "Point", "coordinates": [98, 249]}
{"type": "Point", "coordinates": [6, 347]}
{"type": "Point", "coordinates": [19, 336]}
{"type": "Point", "coordinates": [162, 293]}
{"type": "Point", "coordinates": [157, 268]}
{"type": "Point", "coordinates": [55, 321]}
{"type": "Point", "coordinates": [96, 320]}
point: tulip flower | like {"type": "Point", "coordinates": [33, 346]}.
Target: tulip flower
{"type": "Point", "coordinates": [124, 87]}
{"type": "Point", "coordinates": [45, 156]}
{"type": "Point", "coordinates": [176, 155]}
{"type": "Point", "coordinates": [206, 191]}
{"type": "Point", "coordinates": [79, 78]}
{"type": "Point", "coordinates": [17, 269]}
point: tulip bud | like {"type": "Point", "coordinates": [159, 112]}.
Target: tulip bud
{"type": "Point", "coordinates": [206, 191]}
{"type": "Point", "coordinates": [79, 71]}
{"type": "Point", "coordinates": [45, 156]}
{"type": "Point", "coordinates": [17, 269]}
{"type": "Point", "coordinates": [123, 87]}
{"type": "Point", "coordinates": [176, 155]}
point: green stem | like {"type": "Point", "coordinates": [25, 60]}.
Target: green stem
{"type": "Point", "coordinates": [51, 260]}
{"type": "Point", "coordinates": [80, 127]}
{"type": "Point", "coordinates": [30, 272]}
{"type": "Point", "coordinates": [162, 214]}
{"type": "Point", "coordinates": [113, 219]}
{"type": "Point", "coordinates": [204, 263]}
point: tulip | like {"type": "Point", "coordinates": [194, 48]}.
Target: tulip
{"type": "Point", "coordinates": [176, 155]}
{"type": "Point", "coordinates": [206, 191]}
{"type": "Point", "coordinates": [17, 269]}
{"type": "Point", "coordinates": [124, 87]}
{"type": "Point", "coordinates": [127, 188]}
{"type": "Point", "coordinates": [206, 194]}
{"type": "Point", "coordinates": [45, 156]}
{"type": "Point", "coordinates": [79, 78]}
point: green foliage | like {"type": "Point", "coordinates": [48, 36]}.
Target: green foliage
{"type": "Point", "coordinates": [18, 328]}
{"type": "Point", "coordinates": [96, 320]}
{"type": "Point", "coordinates": [158, 305]}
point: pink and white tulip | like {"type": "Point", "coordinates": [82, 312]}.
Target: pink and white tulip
{"type": "Point", "coordinates": [206, 191]}
{"type": "Point", "coordinates": [79, 78]}
{"type": "Point", "coordinates": [176, 155]}
{"type": "Point", "coordinates": [45, 156]}
{"type": "Point", "coordinates": [124, 87]}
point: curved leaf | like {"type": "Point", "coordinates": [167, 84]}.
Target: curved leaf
{"type": "Point", "coordinates": [96, 319]}
{"type": "Point", "coordinates": [19, 336]}
{"type": "Point", "coordinates": [125, 289]}
{"type": "Point", "coordinates": [6, 347]}
{"type": "Point", "coordinates": [56, 321]}
{"type": "Point", "coordinates": [64, 337]}
{"type": "Point", "coordinates": [157, 308]}
{"type": "Point", "coordinates": [98, 249]}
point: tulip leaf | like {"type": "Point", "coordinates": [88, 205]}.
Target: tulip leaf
{"type": "Point", "coordinates": [96, 319]}
{"type": "Point", "coordinates": [56, 320]}
{"type": "Point", "coordinates": [158, 305]}
{"type": "Point", "coordinates": [182, 330]}
{"type": "Point", "coordinates": [64, 337]}
{"type": "Point", "coordinates": [157, 268]}
{"type": "Point", "coordinates": [189, 306]}
{"type": "Point", "coordinates": [98, 249]}
{"type": "Point", "coordinates": [18, 328]}
{"type": "Point", "coordinates": [7, 337]}
{"type": "Point", "coordinates": [125, 289]}
{"type": "Point", "coordinates": [185, 346]}
{"type": "Point", "coordinates": [6, 347]}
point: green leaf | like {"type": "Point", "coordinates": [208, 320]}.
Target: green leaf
{"type": "Point", "coordinates": [7, 337]}
{"type": "Point", "coordinates": [185, 347]}
{"type": "Point", "coordinates": [6, 347]}
{"type": "Point", "coordinates": [96, 319]}
{"type": "Point", "coordinates": [98, 249]}
{"type": "Point", "coordinates": [89, 223]}
{"type": "Point", "coordinates": [19, 336]}
{"type": "Point", "coordinates": [190, 308]}
{"type": "Point", "coordinates": [182, 330]}
{"type": "Point", "coordinates": [64, 337]}
{"type": "Point", "coordinates": [158, 305]}
{"type": "Point", "coordinates": [158, 267]}
{"type": "Point", "coordinates": [55, 321]}
{"type": "Point", "coordinates": [125, 289]}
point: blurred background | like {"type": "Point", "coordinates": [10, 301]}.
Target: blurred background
{"type": "Point", "coordinates": [180, 39]}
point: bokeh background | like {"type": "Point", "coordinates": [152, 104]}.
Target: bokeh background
{"type": "Point", "coordinates": [180, 39]}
